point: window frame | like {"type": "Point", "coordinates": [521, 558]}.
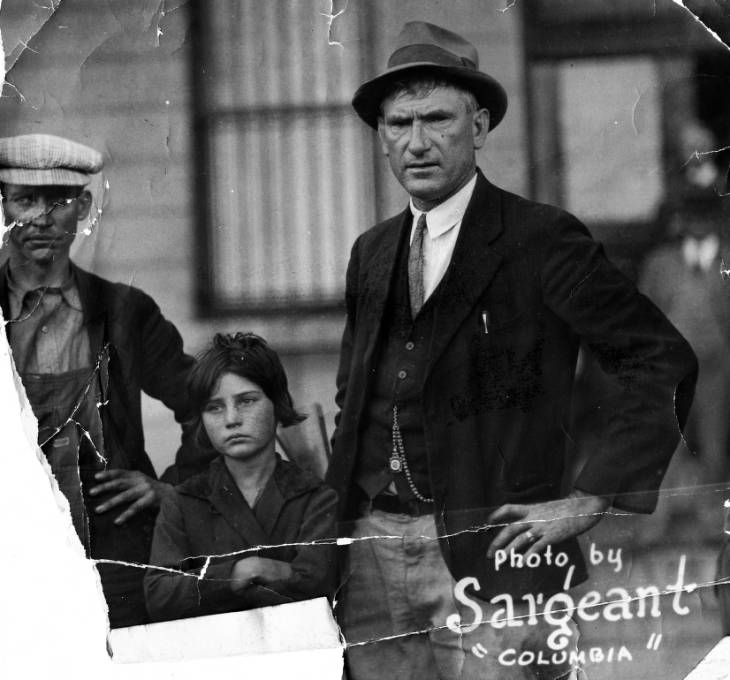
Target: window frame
{"type": "Point", "coordinates": [208, 302]}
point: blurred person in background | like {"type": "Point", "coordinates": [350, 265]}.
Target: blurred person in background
{"type": "Point", "coordinates": [687, 280]}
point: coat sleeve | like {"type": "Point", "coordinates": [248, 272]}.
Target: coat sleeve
{"type": "Point", "coordinates": [181, 584]}
{"type": "Point", "coordinates": [337, 471]}
{"type": "Point", "coordinates": [163, 375]}
{"type": "Point", "coordinates": [351, 298]}
{"type": "Point", "coordinates": [313, 567]}
{"type": "Point", "coordinates": [651, 368]}
{"type": "Point", "coordinates": [722, 585]}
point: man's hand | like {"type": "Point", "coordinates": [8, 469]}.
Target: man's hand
{"type": "Point", "coordinates": [531, 528]}
{"type": "Point", "coordinates": [136, 490]}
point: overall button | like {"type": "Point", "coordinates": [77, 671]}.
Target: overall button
{"type": "Point", "coordinates": [410, 345]}
{"type": "Point", "coordinates": [402, 375]}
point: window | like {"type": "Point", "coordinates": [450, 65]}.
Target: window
{"type": "Point", "coordinates": [610, 87]}
{"type": "Point", "coordinates": [611, 136]}
{"type": "Point", "coordinates": [287, 166]}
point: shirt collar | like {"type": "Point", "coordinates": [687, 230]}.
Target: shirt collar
{"type": "Point", "coordinates": [701, 252]}
{"type": "Point", "coordinates": [69, 290]}
{"type": "Point", "coordinates": [448, 214]}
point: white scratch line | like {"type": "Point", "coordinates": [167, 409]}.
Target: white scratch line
{"type": "Point", "coordinates": [700, 22]}
{"type": "Point", "coordinates": [51, 8]}
{"type": "Point", "coordinates": [697, 155]}
{"type": "Point", "coordinates": [17, 91]}
{"type": "Point", "coordinates": [633, 110]}
{"type": "Point", "coordinates": [27, 47]}
{"type": "Point", "coordinates": [724, 272]}
{"type": "Point", "coordinates": [330, 19]}
{"type": "Point", "coordinates": [204, 570]}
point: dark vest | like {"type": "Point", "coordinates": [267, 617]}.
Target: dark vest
{"type": "Point", "coordinates": [400, 371]}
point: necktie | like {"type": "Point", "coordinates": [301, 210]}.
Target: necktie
{"type": "Point", "coordinates": [415, 267]}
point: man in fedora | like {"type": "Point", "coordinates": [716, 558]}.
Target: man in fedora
{"type": "Point", "coordinates": [85, 348]}
{"type": "Point", "coordinates": [464, 317]}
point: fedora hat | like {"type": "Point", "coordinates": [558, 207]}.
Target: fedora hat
{"type": "Point", "coordinates": [433, 52]}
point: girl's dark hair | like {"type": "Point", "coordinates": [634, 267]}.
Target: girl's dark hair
{"type": "Point", "coordinates": [248, 356]}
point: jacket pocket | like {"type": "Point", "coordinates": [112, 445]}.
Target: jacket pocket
{"type": "Point", "coordinates": [491, 322]}
{"type": "Point", "coordinates": [530, 489]}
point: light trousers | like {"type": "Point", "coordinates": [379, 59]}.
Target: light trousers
{"type": "Point", "coordinates": [397, 598]}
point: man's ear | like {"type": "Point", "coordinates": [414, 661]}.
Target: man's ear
{"type": "Point", "coordinates": [381, 134]}
{"type": "Point", "coordinates": [481, 127]}
{"type": "Point", "coordinates": [83, 205]}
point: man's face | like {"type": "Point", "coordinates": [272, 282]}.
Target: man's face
{"type": "Point", "coordinates": [43, 220]}
{"type": "Point", "coordinates": [430, 139]}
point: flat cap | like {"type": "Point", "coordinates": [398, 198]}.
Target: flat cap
{"type": "Point", "coordinates": [47, 160]}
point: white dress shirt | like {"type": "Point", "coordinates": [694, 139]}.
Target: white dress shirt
{"type": "Point", "coordinates": [442, 229]}
{"type": "Point", "coordinates": [699, 252]}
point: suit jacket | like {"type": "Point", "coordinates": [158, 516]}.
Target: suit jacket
{"type": "Point", "coordinates": [208, 516]}
{"type": "Point", "coordinates": [496, 401]}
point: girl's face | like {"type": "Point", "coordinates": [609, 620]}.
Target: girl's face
{"type": "Point", "coordinates": [239, 419]}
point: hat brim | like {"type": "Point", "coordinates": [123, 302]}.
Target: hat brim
{"type": "Point", "coordinates": [44, 177]}
{"type": "Point", "coordinates": [488, 92]}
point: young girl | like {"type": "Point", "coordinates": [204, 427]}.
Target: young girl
{"type": "Point", "coordinates": [211, 536]}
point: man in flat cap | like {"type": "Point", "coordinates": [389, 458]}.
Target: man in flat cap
{"type": "Point", "coordinates": [85, 348]}
{"type": "Point", "coordinates": [464, 317]}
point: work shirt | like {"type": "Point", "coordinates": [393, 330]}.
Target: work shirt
{"type": "Point", "coordinates": [46, 329]}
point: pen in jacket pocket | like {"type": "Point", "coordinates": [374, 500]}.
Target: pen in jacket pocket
{"type": "Point", "coordinates": [485, 321]}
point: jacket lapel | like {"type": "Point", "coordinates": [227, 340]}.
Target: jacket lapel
{"type": "Point", "coordinates": [287, 482]}
{"type": "Point", "coordinates": [473, 264]}
{"type": "Point", "coordinates": [270, 504]}
{"type": "Point", "coordinates": [4, 301]}
{"type": "Point", "coordinates": [225, 497]}
{"type": "Point", "coordinates": [93, 308]}
{"type": "Point", "coordinates": [379, 279]}
{"type": "Point", "coordinates": [95, 321]}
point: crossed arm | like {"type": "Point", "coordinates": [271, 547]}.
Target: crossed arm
{"type": "Point", "coordinates": [191, 582]}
